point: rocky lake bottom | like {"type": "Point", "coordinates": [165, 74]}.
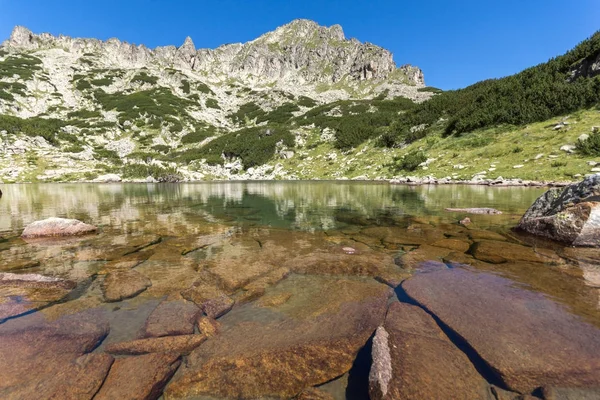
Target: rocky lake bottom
{"type": "Point", "coordinates": [280, 290]}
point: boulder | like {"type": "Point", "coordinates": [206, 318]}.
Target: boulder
{"type": "Point", "coordinates": [121, 285]}
{"type": "Point", "coordinates": [413, 359]}
{"type": "Point", "coordinates": [311, 339]}
{"type": "Point", "coordinates": [570, 215]}
{"type": "Point", "coordinates": [140, 377]}
{"type": "Point", "coordinates": [527, 339]}
{"type": "Point", "coordinates": [57, 227]}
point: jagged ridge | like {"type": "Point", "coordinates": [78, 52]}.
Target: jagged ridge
{"type": "Point", "coordinates": [299, 52]}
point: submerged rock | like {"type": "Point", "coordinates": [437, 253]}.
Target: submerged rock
{"type": "Point", "coordinates": [413, 359]}
{"type": "Point", "coordinates": [171, 318]}
{"type": "Point", "coordinates": [182, 344]}
{"type": "Point", "coordinates": [570, 215]}
{"type": "Point", "coordinates": [121, 285]}
{"type": "Point", "coordinates": [309, 340]}
{"type": "Point", "coordinates": [527, 339]}
{"type": "Point", "coordinates": [140, 377]}
{"type": "Point", "coordinates": [46, 357]}
{"type": "Point", "coordinates": [57, 227]}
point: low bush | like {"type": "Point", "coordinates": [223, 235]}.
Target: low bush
{"type": "Point", "coordinates": [409, 162]}
{"type": "Point", "coordinates": [589, 146]}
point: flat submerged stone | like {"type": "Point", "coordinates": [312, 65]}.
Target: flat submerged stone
{"type": "Point", "coordinates": [527, 339]}
{"type": "Point", "coordinates": [311, 339]}
{"type": "Point", "coordinates": [413, 359]}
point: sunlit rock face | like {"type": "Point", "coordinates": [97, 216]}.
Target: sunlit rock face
{"type": "Point", "coordinates": [570, 215]}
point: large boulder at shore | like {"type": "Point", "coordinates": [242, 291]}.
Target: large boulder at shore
{"type": "Point", "coordinates": [570, 215]}
{"type": "Point", "coordinates": [526, 339]}
{"type": "Point", "coordinates": [308, 338]}
{"type": "Point", "coordinates": [413, 359]}
{"type": "Point", "coordinates": [57, 227]}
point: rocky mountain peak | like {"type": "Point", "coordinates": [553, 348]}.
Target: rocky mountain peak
{"type": "Point", "coordinates": [20, 37]}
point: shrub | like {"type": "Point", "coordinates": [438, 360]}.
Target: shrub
{"type": "Point", "coordinates": [23, 65]}
{"type": "Point", "coordinates": [143, 77]}
{"type": "Point", "coordinates": [589, 146]}
{"type": "Point", "coordinates": [45, 127]}
{"type": "Point", "coordinates": [212, 103]}
{"type": "Point", "coordinates": [255, 146]}
{"type": "Point", "coordinates": [185, 86]}
{"type": "Point", "coordinates": [306, 102]}
{"type": "Point", "coordinates": [159, 173]}
{"type": "Point", "coordinates": [410, 161]}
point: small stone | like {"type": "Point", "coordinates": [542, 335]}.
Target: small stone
{"type": "Point", "coordinates": [540, 155]}
{"type": "Point", "coordinates": [207, 326]}
{"type": "Point", "coordinates": [465, 221]}
{"type": "Point", "coordinates": [583, 137]}
{"type": "Point", "coordinates": [569, 148]}
{"type": "Point", "coordinates": [518, 166]}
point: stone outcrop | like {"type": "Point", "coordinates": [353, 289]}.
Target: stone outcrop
{"type": "Point", "coordinates": [57, 227]}
{"type": "Point", "coordinates": [527, 339]}
{"type": "Point", "coordinates": [413, 359]}
{"type": "Point", "coordinates": [570, 215]}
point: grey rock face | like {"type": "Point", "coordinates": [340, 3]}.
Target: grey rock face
{"type": "Point", "coordinates": [300, 52]}
{"type": "Point", "coordinates": [570, 215]}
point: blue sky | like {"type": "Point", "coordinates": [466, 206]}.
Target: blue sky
{"type": "Point", "coordinates": [456, 43]}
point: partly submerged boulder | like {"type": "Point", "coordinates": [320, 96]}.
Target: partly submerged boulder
{"type": "Point", "coordinates": [570, 215]}
{"type": "Point", "coordinates": [57, 227]}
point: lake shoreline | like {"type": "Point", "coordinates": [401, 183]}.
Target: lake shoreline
{"type": "Point", "coordinates": [407, 181]}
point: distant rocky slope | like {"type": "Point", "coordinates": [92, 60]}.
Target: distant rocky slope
{"type": "Point", "coordinates": [301, 102]}
{"type": "Point", "coordinates": [75, 108]}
